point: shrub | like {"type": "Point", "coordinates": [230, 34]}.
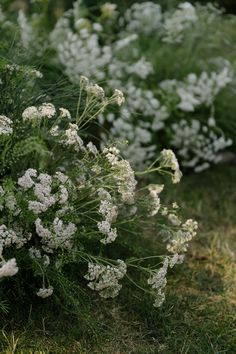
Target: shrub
{"type": "Point", "coordinates": [72, 215]}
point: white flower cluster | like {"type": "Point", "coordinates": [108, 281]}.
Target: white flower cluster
{"type": "Point", "coordinates": [46, 110]}
{"type": "Point", "coordinates": [169, 160]}
{"type": "Point", "coordinates": [104, 279]}
{"type": "Point", "coordinates": [42, 189]}
{"type": "Point", "coordinates": [26, 31]}
{"type": "Point", "coordinates": [154, 191]}
{"type": "Point", "coordinates": [196, 91]}
{"type": "Point", "coordinates": [123, 174]}
{"type": "Point", "coordinates": [108, 10]}
{"type": "Point", "coordinates": [139, 132]}
{"type": "Point", "coordinates": [32, 38]}
{"type": "Point", "coordinates": [10, 236]}
{"type": "Point", "coordinates": [158, 279]}
{"type": "Point", "coordinates": [45, 292]}
{"type": "Point", "coordinates": [72, 137]}
{"type": "Point", "coordinates": [65, 113]}
{"type": "Point", "coordinates": [5, 125]}
{"type": "Point", "coordinates": [198, 145]}
{"type": "Point", "coordinates": [72, 50]}
{"type": "Point", "coordinates": [80, 52]}
{"type": "Point", "coordinates": [158, 282]}
{"type": "Point", "coordinates": [9, 268]}
{"type": "Point", "coordinates": [58, 236]}
{"type": "Point", "coordinates": [177, 23]}
{"type": "Point", "coordinates": [36, 254]}
{"type": "Point", "coordinates": [110, 212]}
{"type": "Point", "coordinates": [178, 243]}
{"type": "Point", "coordinates": [143, 17]}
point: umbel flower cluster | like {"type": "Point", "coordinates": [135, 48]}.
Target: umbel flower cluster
{"type": "Point", "coordinates": [73, 203]}
{"type": "Point", "coordinates": [155, 105]}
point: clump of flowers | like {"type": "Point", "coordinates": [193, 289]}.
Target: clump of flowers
{"type": "Point", "coordinates": [72, 204]}
{"type": "Point", "coordinates": [84, 46]}
{"type": "Point", "coordinates": [157, 105]}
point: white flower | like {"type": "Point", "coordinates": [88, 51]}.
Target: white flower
{"type": "Point", "coordinates": [31, 113]}
{"type": "Point", "coordinates": [26, 182]}
{"type": "Point", "coordinates": [178, 243]}
{"type": "Point", "coordinates": [34, 253]}
{"type": "Point", "coordinates": [174, 219]}
{"type": "Point", "coordinates": [211, 122]}
{"type": "Point", "coordinates": [119, 97]}
{"type": "Point", "coordinates": [45, 292]}
{"type": "Point", "coordinates": [170, 160]}
{"type": "Point", "coordinates": [55, 130]}
{"type": "Point", "coordinates": [72, 137]}
{"type": "Point", "coordinates": [158, 282]}
{"type": "Point", "coordinates": [176, 259]}
{"type": "Point", "coordinates": [92, 148]}
{"type": "Point", "coordinates": [9, 268]}
{"type": "Point", "coordinates": [47, 110]}
{"type": "Point", "coordinates": [142, 17]}
{"type": "Point", "coordinates": [95, 90]}
{"type": "Point", "coordinates": [124, 175]}
{"type": "Point", "coordinates": [65, 113]}
{"type": "Point", "coordinates": [155, 190]}
{"type": "Point", "coordinates": [108, 9]}
{"type": "Point", "coordinates": [108, 210]}
{"type": "Point", "coordinates": [180, 21]}
{"type": "Point", "coordinates": [104, 279]}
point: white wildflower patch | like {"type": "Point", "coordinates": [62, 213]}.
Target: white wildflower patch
{"type": "Point", "coordinates": [65, 204]}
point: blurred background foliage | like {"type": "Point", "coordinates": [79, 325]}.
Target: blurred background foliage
{"type": "Point", "coordinates": [56, 7]}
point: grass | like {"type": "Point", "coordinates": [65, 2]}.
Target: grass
{"type": "Point", "coordinates": [199, 315]}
